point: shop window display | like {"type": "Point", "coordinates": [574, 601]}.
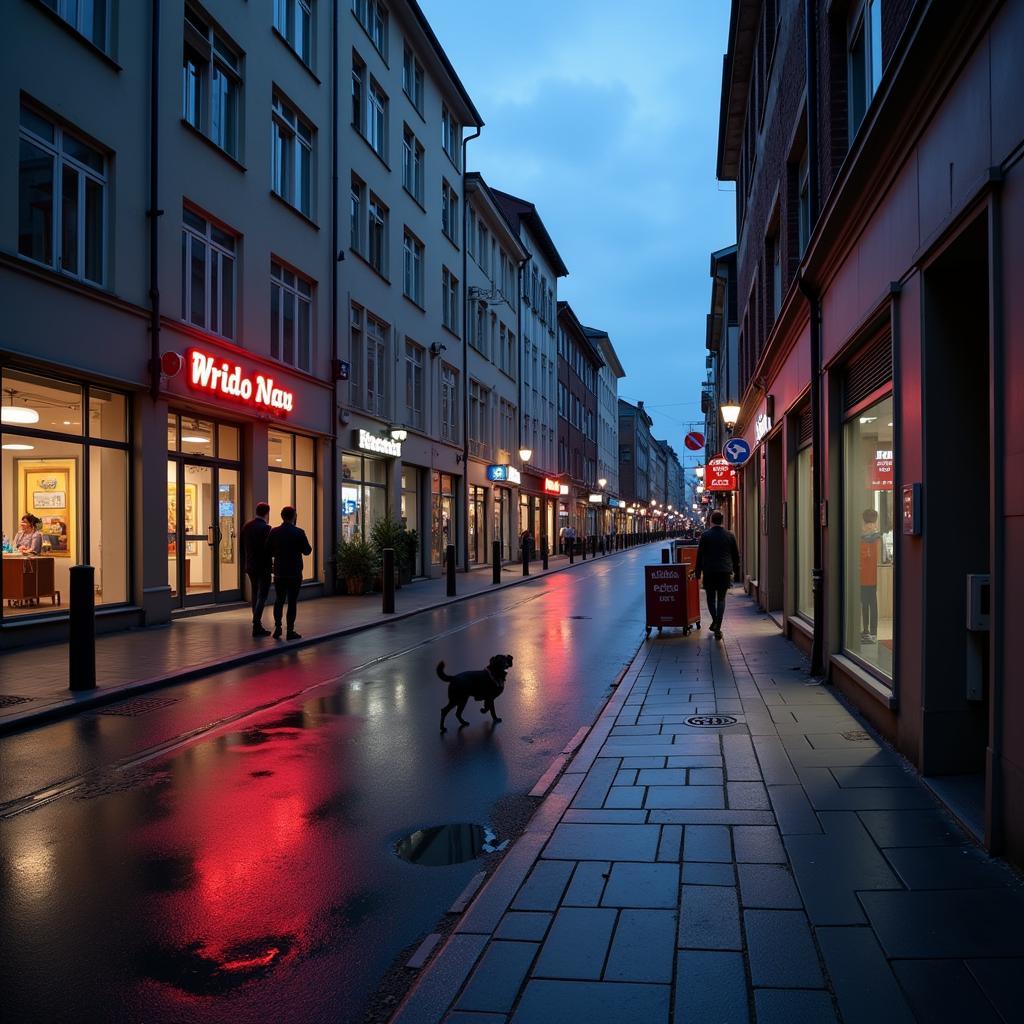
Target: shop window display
{"type": "Point", "coordinates": [443, 515]}
{"type": "Point", "coordinates": [364, 494]}
{"type": "Point", "coordinates": [291, 481]}
{"type": "Point", "coordinates": [804, 534]}
{"type": "Point", "coordinates": [60, 443]}
{"type": "Point", "coordinates": [868, 536]}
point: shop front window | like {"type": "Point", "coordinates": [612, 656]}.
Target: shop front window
{"type": "Point", "coordinates": [443, 515]}
{"type": "Point", "coordinates": [477, 524]}
{"type": "Point", "coordinates": [364, 494]}
{"type": "Point", "coordinates": [63, 491]}
{"type": "Point", "coordinates": [411, 507]}
{"type": "Point", "coordinates": [291, 480]}
{"type": "Point", "coordinates": [804, 534]}
{"type": "Point", "coordinates": [868, 543]}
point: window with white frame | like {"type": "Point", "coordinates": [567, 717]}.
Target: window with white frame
{"type": "Point", "coordinates": [478, 334]}
{"type": "Point", "coordinates": [412, 78]}
{"type": "Point", "coordinates": [67, 234]}
{"type": "Point", "coordinates": [449, 404]}
{"type": "Point", "coordinates": [291, 159]}
{"type": "Point", "coordinates": [208, 255]}
{"type": "Point", "coordinates": [414, 384]}
{"type": "Point", "coordinates": [359, 74]}
{"type": "Point", "coordinates": [502, 342]}
{"type": "Point", "coordinates": [412, 164]}
{"type": "Point", "coordinates": [449, 134]}
{"type": "Point", "coordinates": [89, 17]}
{"type": "Point", "coordinates": [471, 232]}
{"type": "Point", "coordinates": [357, 214]}
{"type": "Point", "coordinates": [449, 300]}
{"type": "Point", "coordinates": [211, 83]}
{"type": "Point", "coordinates": [412, 276]}
{"type": "Point", "coordinates": [377, 119]}
{"type": "Point", "coordinates": [291, 317]}
{"type": "Point", "coordinates": [368, 377]}
{"type": "Point", "coordinates": [510, 354]}
{"type": "Point", "coordinates": [294, 20]}
{"type": "Point", "coordinates": [355, 353]}
{"type": "Point", "coordinates": [478, 429]}
{"type": "Point", "coordinates": [449, 212]}
{"type": "Point", "coordinates": [508, 425]}
{"type": "Point", "coordinates": [373, 16]}
{"type": "Point", "coordinates": [864, 58]}
{"type": "Point", "coordinates": [377, 235]}
{"type": "Point", "coordinates": [483, 245]}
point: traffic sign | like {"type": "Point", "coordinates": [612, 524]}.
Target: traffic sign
{"type": "Point", "coordinates": [736, 451]}
{"type": "Point", "coordinates": [720, 476]}
{"type": "Point", "coordinates": [694, 441]}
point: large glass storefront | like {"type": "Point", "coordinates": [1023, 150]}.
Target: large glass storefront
{"type": "Point", "coordinates": [804, 533]}
{"type": "Point", "coordinates": [868, 541]}
{"type": "Point", "coordinates": [291, 480]}
{"type": "Point", "coordinates": [411, 477]}
{"type": "Point", "coordinates": [364, 493]}
{"type": "Point", "coordinates": [204, 515]}
{"type": "Point", "coordinates": [443, 526]}
{"type": "Point", "coordinates": [64, 489]}
{"type": "Point", "coordinates": [478, 524]}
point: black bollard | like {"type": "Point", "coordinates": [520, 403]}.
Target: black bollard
{"type": "Point", "coordinates": [604, 550]}
{"type": "Point", "coordinates": [665, 556]}
{"type": "Point", "coordinates": [583, 547]}
{"type": "Point", "coordinates": [571, 545]}
{"type": "Point", "coordinates": [450, 561]}
{"type": "Point", "coordinates": [496, 561]}
{"type": "Point", "coordinates": [526, 556]}
{"type": "Point", "coordinates": [544, 552]}
{"type": "Point", "coordinates": [388, 571]}
{"type": "Point", "coordinates": [82, 629]}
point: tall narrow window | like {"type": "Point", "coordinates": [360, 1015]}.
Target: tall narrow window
{"type": "Point", "coordinates": [291, 148]}
{"type": "Point", "coordinates": [412, 165]}
{"type": "Point", "coordinates": [803, 205]}
{"type": "Point", "coordinates": [291, 317]}
{"type": "Point", "coordinates": [86, 16]}
{"type": "Point", "coordinates": [294, 20]}
{"type": "Point", "coordinates": [449, 134]}
{"type": "Point", "coordinates": [62, 187]}
{"type": "Point", "coordinates": [412, 277]}
{"type": "Point", "coordinates": [375, 365]}
{"type": "Point", "coordinates": [373, 16]}
{"type": "Point", "coordinates": [377, 234]}
{"type": "Point", "coordinates": [414, 385]}
{"type": "Point", "coordinates": [357, 208]}
{"type": "Point", "coordinates": [207, 275]}
{"type": "Point", "coordinates": [449, 300]}
{"type": "Point", "coordinates": [449, 404]}
{"type": "Point", "coordinates": [864, 59]}
{"type": "Point", "coordinates": [412, 78]}
{"type": "Point", "coordinates": [449, 212]}
{"type": "Point", "coordinates": [355, 353]}
{"type": "Point", "coordinates": [358, 93]}
{"type": "Point", "coordinates": [211, 83]}
{"type": "Point", "coordinates": [376, 126]}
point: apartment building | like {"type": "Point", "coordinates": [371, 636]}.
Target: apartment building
{"type": "Point", "coordinates": [403, 433]}
{"type": "Point", "coordinates": [880, 208]}
{"type": "Point", "coordinates": [721, 385]}
{"type": "Point", "coordinates": [635, 443]}
{"type": "Point", "coordinates": [494, 257]}
{"type": "Point", "coordinates": [538, 298]}
{"type": "Point", "coordinates": [608, 377]}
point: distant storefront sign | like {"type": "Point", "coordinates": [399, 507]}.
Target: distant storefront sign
{"type": "Point", "coordinates": [504, 474]}
{"type": "Point", "coordinates": [368, 442]}
{"type": "Point", "coordinates": [552, 486]}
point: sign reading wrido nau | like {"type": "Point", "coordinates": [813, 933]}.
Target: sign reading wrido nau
{"type": "Point", "coordinates": [218, 376]}
{"type": "Point", "coordinates": [720, 476]}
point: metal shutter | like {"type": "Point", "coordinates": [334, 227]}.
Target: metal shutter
{"type": "Point", "coordinates": [868, 371]}
{"type": "Point", "coordinates": [804, 429]}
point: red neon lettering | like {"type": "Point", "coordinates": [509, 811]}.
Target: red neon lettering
{"type": "Point", "coordinates": [228, 379]}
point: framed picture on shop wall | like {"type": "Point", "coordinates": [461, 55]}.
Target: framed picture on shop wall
{"type": "Point", "coordinates": [46, 489]}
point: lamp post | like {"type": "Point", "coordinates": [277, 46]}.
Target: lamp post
{"type": "Point", "coordinates": [730, 414]}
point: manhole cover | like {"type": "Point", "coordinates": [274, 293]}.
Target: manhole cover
{"type": "Point", "coordinates": [710, 721]}
{"type": "Point", "coordinates": [442, 844]}
{"type": "Point", "coordinates": [855, 736]}
{"type": "Point", "coordinates": [139, 706]}
{"type": "Point", "coordinates": [8, 701]}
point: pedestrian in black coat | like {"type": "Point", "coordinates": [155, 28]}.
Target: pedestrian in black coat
{"type": "Point", "coordinates": [718, 561]}
{"type": "Point", "coordinates": [286, 545]}
{"type": "Point", "coordinates": [252, 547]}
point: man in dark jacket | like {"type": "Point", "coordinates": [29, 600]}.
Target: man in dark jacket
{"type": "Point", "coordinates": [286, 545]}
{"type": "Point", "coordinates": [718, 560]}
{"type": "Point", "coordinates": [252, 547]}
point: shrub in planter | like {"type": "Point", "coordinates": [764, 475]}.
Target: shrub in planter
{"type": "Point", "coordinates": [391, 533]}
{"type": "Point", "coordinates": [356, 563]}
{"type": "Point", "coordinates": [406, 555]}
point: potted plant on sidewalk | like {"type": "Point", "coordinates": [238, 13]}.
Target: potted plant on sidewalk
{"type": "Point", "coordinates": [406, 555]}
{"type": "Point", "coordinates": [356, 563]}
{"type": "Point", "coordinates": [392, 533]}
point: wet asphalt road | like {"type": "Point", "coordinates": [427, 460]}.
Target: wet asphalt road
{"type": "Point", "coordinates": [229, 856]}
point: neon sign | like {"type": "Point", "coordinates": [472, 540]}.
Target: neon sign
{"type": "Point", "coordinates": [206, 373]}
{"type": "Point", "coordinates": [382, 445]}
{"type": "Point", "coordinates": [504, 473]}
{"type": "Point", "coordinates": [551, 486]}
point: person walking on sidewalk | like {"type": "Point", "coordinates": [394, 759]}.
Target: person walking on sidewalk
{"type": "Point", "coordinates": [286, 545]}
{"type": "Point", "coordinates": [256, 563]}
{"type": "Point", "coordinates": [718, 560]}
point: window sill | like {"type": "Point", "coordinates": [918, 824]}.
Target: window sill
{"type": "Point", "coordinates": [412, 103]}
{"type": "Point", "coordinates": [193, 130]}
{"type": "Point", "coordinates": [454, 334]}
{"type": "Point", "coordinates": [413, 302]}
{"type": "Point", "coordinates": [291, 49]}
{"type": "Point", "coordinates": [801, 625]}
{"type": "Point", "coordinates": [294, 209]}
{"type": "Point", "coordinates": [866, 680]}
{"type": "Point", "coordinates": [84, 40]}
{"type": "Point", "coordinates": [412, 196]}
{"type": "Point", "coordinates": [369, 146]}
{"type": "Point", "coordinates": [454, 244]}
{"type": "Point", "coordinates": [362, 259]}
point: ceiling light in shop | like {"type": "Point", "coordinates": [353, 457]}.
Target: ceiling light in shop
{"type": "Point", "coordinates": [18, 414]}
{"type": "Point", "coordinates": [18, 447]}
{"type": "Point", "coordinates": [868, 419]}
{"type": "Point", "coordinates": [194, 439]}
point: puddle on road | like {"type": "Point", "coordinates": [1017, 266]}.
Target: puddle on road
{"type": "Point", "coordinates": [442, 844]}
{"type": "Point", "coordinates": [196, 970]}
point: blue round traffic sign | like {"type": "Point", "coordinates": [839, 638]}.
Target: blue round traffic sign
{"type": "Point", "coordinates": [736, 451]}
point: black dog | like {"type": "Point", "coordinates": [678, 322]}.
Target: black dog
{"type": "Point", "coordinates": [485, 685]}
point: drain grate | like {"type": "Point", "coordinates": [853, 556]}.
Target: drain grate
{"type": "Point", "coordinates": [710, 721]}
{"type": "Point", "coordinates": [9, 700]}
{"type": "Point", "coordinates": [855, 736]}
{"type": "Point", "coordinates": [139, 706]}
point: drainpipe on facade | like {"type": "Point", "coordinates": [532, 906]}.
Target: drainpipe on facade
{"type": "Point", "coordinates": [154, 212]}
{"type": "Point", "coordinates": [817, 431]}
{"type": "Point", "coordinates": [465, 363]}
{"type": "Point", "coordinates": [336, 256]}
{"type": "Point", "coordinates": [519, 380]}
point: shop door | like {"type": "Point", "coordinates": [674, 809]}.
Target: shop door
{"type": "Point", "coordinates": [202, 533]}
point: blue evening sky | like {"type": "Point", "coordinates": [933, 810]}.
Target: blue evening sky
{"type": "Point", "coordinates": [605, 115]}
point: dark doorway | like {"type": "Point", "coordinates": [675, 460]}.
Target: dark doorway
{"type": "Point", "coordinates": [957, 520]}
{"type": "Point", "coordinates": [773, 546]}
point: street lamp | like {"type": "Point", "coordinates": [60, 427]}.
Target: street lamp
{"type": "Point", "coordinates": [526, 454]}
{"type": "Point", "coordinates": [602, 483]}
{"type": "Point", "coordinates": [699, 488]}
{"type": "Point", "coordinates": [699, 472]}
{"type": "Point", "coordinates": [730, 414]}
{"type": "Point", "coordinates": [398, 433]}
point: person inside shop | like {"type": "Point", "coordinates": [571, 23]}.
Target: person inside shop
{"type": "Point", "coordinates": [286, 544]}
{"type": "Point", "coordinates": [870, 540]}
{"type": "Point", "coordinates": [718, 560]}
{"type": "Point", "coordinates": [256, 564]}
{"type": "Point", "coordinates": [28, 540]}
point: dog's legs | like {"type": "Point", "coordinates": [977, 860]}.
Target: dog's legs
{"type": "Point", "coordinates": [459, 710]}
{"type": "Point", "coordinates": [489, 706]}
{"type": "Point", "coordinates": [444, 714]}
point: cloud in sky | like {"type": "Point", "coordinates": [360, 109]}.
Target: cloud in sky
{"type": "Point", "coordinates": [606, 116]}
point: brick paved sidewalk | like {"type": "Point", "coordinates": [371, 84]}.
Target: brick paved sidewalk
{"type": "Point", "coordinates": [34, 681]}
{"type": "Point", "coordinates": [787, 869]}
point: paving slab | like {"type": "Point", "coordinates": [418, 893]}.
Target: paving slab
{"type": "Point", "coordinates": [698, 873]}
{"type": "Point", "coordinates": [748, 796]}
{"type": "Point", "coordinates": [706, 777]}
{"type": "Point", "coordinates": [866, 777]}
{"type": "Point", "coordinates": [625, 797]}
{"type": "Point", "coordinates": [793, 810]}
{"type": "Point", "coordinates": [671, 839]}
{"type": "Point", "coordinates": [543, 889]}
{"type": "Point", "coordinates": [825, 794]}
{"type": "Point", "coordinates": [1003, 982]}
{"type": "Point", "coordinates": [603, 842]}
{"type": "Point", "coordinates": [707, 843]}
{"type": "Point", "coordinates": [597, 783]}
{"type": "Point", "coordinates": [944, 990]}
{"type": "Point", "coordinates": [948, 867]}
{"type": "Point", "coordinates": [588, 881]}
{"type": "Point", "coordinates": [758, 844]}
{"type": "Point", "coordinates": [642, 885]}
{"type": "Point", "coordinates": [710, 918]}
{"type": "Point", "coordinates": [711, 988]}
{"type": "Point", "coordinates": [643, 948]}
{"type": "Point", "coordinates": [768, 886]}
{"type": "Point", "coordinates": [661, 777]}
{"type": "Point", "coordinates": [569, 1002]}
{"type": "Point", "coordinates": [498, 976]}
{"type": "Point", "coordinates": [606, 815]}
{"type": "Point", "coordinates": [789, 1006]}
{"type": "Point", "coordinates": [685, 797]}
{"type": "Point", "coordinates": [912, 828]}
{"type": "Point", "coordinates": [577, 944]}
{"type": "Point", "coordinates": [524, 926]}
{"type": "Point", "coordinates": [780, 950]}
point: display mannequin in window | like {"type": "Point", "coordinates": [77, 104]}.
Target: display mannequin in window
{"type": "Point", "coordinates": [870, 540]}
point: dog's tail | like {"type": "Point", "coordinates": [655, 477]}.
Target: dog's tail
{"type": "Point", "coordinates": [441, 673]}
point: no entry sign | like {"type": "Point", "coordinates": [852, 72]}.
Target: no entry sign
{"type": "Point", "coordinates": [720, 476]}
{"type": "Point", "coordinates": [694, 441]}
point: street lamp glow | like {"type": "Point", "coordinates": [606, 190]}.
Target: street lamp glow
{"type": "Point", "coordinates": [399, 433]}
{"type": "Point", "coordinates": [699, 488]}
{"type": "Point", "coordinates": [526, 454]}
{"type": "Point", "coordinates": [699, 472]}
{"type": "Point", "coordinates": [602, 483]}
{"type": "Point", "coordinates": [730, 414]}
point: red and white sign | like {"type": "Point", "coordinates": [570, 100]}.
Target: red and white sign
{"type": "Point", "coordinates": [694, 441]}
{"type": "Point", "coordinates": [882, 471]}
{"type": "Point", "coordinates": [720, 476]}
{"type": "Point", "coordinates": [218, 376]}
{"type": "Point", "coordinates": [551, 486]}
